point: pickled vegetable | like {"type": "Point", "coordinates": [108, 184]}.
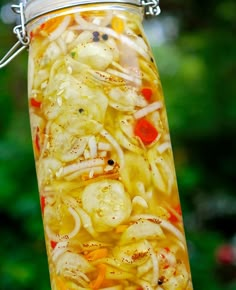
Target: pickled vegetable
{"type": "Point", "coordinates": [105, 170]}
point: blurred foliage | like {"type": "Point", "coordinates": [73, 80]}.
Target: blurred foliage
{"type": "Point", "coordinates": [197, 69]}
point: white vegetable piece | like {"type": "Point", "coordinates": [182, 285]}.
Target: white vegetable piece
{"type": "Point", "coordinates": [142, 229]}
{"type": "Point", "coordinates": [107, 203]}
{"type": "Point", "coordinates": [97, 55]}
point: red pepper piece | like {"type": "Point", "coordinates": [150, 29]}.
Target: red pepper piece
{"type": "Point", "coordinates": [37, 141]}
{"type": "Point", "coordinates": [43, 203]}
{"type": "Point", "coordinates": [145, 131]}
{"type": "Point", "coordinates": [147, 93]}
{"type": "Point", "coordinates": [174, 218]}
{"type": "Point", "coordinates": [34, 103]}
{"type": "Point", "coordinates": [53, 244]}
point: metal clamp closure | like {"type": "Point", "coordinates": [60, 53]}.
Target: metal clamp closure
{"type": "Point", "coordinates": [23, 39]}
{"type": "Point", "coordinates": [151, 7]}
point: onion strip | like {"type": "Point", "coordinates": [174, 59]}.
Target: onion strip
{"type": "Point", "coordinates": [117, 147]}
{"type": "Point", "coordinates": [60, 248]}
{"type": "Point", "coordinates": [163, 223]}
{"type": "Point", "coordinates": [147, 110]}
{"type": "Point", "coordinates": [168, 173]}
{"type": "Point", "coordinates": [163, 147]}
{"type": "Point", "coordinates": [60, 29]}
{"type": "Point", "coordinates": [155, 266]}
{"type": "Point", "coordinates": [82, 165]}
{"type": "Point", "coordinates": [124, 76]}
{"type": "Point", "coordinates": [86, 221]}
{"type": "Point", "coordinates": [92, 147]}
{"type": "Point", "coordinates": [57, 237]}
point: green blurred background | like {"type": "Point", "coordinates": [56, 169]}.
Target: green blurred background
{"type": "Point", "coordinates": [194, 45]}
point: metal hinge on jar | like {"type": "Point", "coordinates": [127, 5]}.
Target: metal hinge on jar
{"type": "Point", "coordinates": [21, 34]}
{"type": "Point", "coordinates": [151, 7]}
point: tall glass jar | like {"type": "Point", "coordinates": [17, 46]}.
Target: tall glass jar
{"type": "Point", "coordinates": [106, 177]}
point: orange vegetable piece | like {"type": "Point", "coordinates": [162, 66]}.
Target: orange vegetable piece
{"type": "Point", "coordinates": [97, 254]}
{"type": "Point", "coordinates": [145, 131]}
{"type": "Point", "coordinates": [96, 284]}
{"type": "Point", "coordinates": [117, 24]}
{"type": "Point", "coordinates": [121, 228]}
{"type": "Point", "coordinates": [60, 284]}
{"type": "Point", "coordinates": [50, 25]}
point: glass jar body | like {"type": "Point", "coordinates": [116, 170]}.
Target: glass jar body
{"type": "Point", "coordinates": [105, 170]}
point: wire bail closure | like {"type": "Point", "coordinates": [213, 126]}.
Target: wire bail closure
{"type": "Point", "coordinates": [151, 7]}
{"type": "Point", "coordinates": [21, 34]}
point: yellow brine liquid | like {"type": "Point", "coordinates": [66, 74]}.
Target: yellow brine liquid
{"type": "Point", "coordinates": [108, 191]}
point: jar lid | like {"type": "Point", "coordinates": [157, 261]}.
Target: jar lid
{"type": "Point", "coordinates": [36, 8]}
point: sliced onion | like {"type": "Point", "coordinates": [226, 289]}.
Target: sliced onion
{"type": "Point", "coordinates": [172, 229]}
{"type": "Point", "coordinates": [117, 147]}
{"type": "Point", "coordinates": [77, 223]}
{"type": "Point", "coordinates": [82, 165]}
{"type": "Point", "coordinates": [124, 76]}
{"type": "Point", "coordinates": [121, 138]}
{"type": "Point", "coordinates": [141, 229]}
{"type": "Point", "coordinates": [140, 201]}
{"type": "Point", "coordinates": [60, 29]}
{"type": "Point", "coordinates": [155, 266]}
{"type": "Point", "coordinates": [163, 147]}
{"type": "Point", "coordinates": [92, 147]}
{"type": "Point", "coordinates": [168, 172]}
{"type": "Point", "coordinates": [100, 76]}
{"type": "Point", "coordinates": [163, 223]}
{"type": "Point", "coordinates": [79, 276]}
{"type": "Point", "coordinates": [59, 238]}
{"type": "Point", "coordinates": [60, 248]}
{"type": "Point", "coordinates": [147, 110]}
{"type": "Point", "coordinates": [86, 221]}
{"type": "Point", "coordinates": [144, 284]}
{"type": "Point", "coordinates": [104, 146]}
{"type": "Point", "coordinates": [88, 171]}
{"type": "Point", "coordinates": [157, 177]}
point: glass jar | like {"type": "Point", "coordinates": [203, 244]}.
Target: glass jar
{"type": "Point", "coordinates": [105, 170]}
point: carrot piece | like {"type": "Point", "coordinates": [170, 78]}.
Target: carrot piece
{"type": "Point", "coordinates": [60, 284]}
{"type": "Point", "coordinates": [97, 254]}
{"type": "Point", "coordinates": [50, 25]}
{"type": "Point", "coordinates": [145, 131]}
{"type": "Point", "coordinates": [121, 228]}
{"type": "Point", "coordinates": [96, 284]}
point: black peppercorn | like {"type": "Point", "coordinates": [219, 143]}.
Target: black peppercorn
{"type": "Point", "coordinates": [105, 37]}
{"type": "Point", "coordinates": [95, 33]}
{"type": "Point", "coordinates": [110, 162]}
{"type": "Point", "coordinates": [161, 280]}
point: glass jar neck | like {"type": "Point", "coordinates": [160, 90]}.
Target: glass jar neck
{"type": "Point", "coordinates": [37, 8]}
